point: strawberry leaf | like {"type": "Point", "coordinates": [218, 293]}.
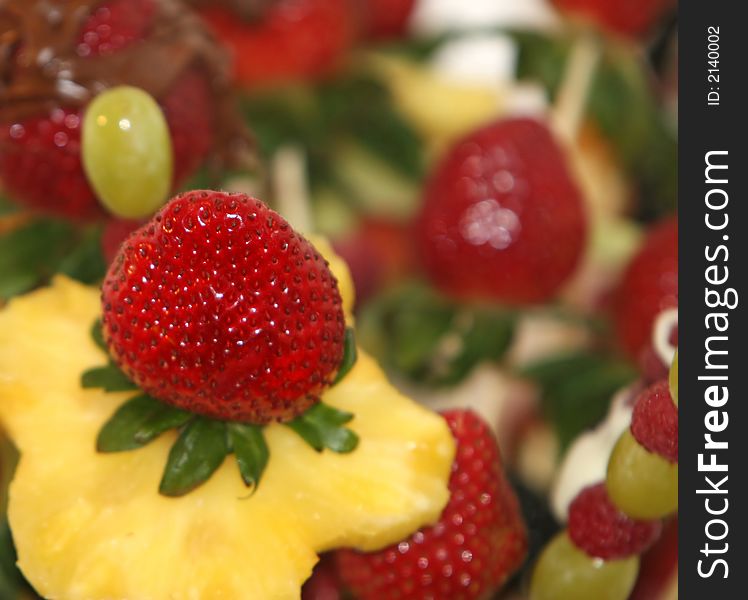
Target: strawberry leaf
{"type": "Point", "coordinates": [33, 250]}
{"type": "Point", "coordinates": [137, 422]}
{"type": "Point", "coordinates": [322, 427]}
{"type": "Point", "coordinates": [350, 355]}
{"type": "Point", "coordinates": [576, 389]}
{"type": "Point", "coordinates": [308, 432]}
{"type": "Point", "coordinates": [432, 339]}
{"type": "Point", "coordinates": [250, 449]}
{"type": "Point", "coordinates": [110, 378]}
{"type": "Point", "coordinates": [97, 335]}
{"type": "Point", "coordinates": [200, 449]}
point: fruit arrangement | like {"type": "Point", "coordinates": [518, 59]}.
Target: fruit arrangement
{"type": "Point", "coordinates": [338, 299]}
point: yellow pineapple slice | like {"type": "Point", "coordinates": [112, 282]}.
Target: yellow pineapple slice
{"type": "Point", "coordinates": [92, 526]}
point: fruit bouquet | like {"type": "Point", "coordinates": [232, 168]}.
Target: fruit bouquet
{"type": "Point", "coordinates": [332, 299]}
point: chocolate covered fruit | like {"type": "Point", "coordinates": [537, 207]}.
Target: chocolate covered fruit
{"type": "Point", "coordinates": [91, 526]}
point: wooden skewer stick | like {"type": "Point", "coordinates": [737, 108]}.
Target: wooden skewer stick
{"type": "Point", "coordinates": [289, 181]}
{"type": "Point", "coordinates": [573, 93]}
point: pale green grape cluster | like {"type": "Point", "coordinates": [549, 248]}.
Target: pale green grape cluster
{"type": "Point", "coordinates": [126, 151]}
{"type": "Point", "coordinates": [641, 484]}
{"type": "Point", "coordinates": [565, 572]}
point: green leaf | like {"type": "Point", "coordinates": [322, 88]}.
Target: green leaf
{"type": "Point", "coordinates": [137, 422]}
{"type": "Point", "coordinates": [362, 107]}
{"type": "Point", "coordinates": [328, 416]}
{"type": "Point", "coordinates": [30, 254]}
{"type": "Point", "coordinates": [97, 335]}
{"type": "Point", "coordinates": [85, 261]}
{"type": "Point", "coordinates": [308, 432]}
{"type": "Point", "coordinates": [109, 377]}
{"type": "Point", "coordinates": [6, 206]}
{"type": "Point", "coordinates": [250, 449]}
{"type": "Point", "coordinates": [322, 427]}
{"type": "Point", "coordinates": [11, 580]}
{"type": "Point", "coordinates": [350, 355]}
{"type": "Point", "coordinates": [625, 106]}
{"type": "Point", "coordinates": [430, 338]}
{"type": "Point", "coordinates": [198, 452]}
{"type": "Point", "coordinates": [577, 388]}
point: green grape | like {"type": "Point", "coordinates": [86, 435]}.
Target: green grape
{"type": "Point", "coordinates": [126, 151]}
{"type": "Point", "coordinates": [673, 379]}
{"type": "Point", "coordinates": [564, 572]}
{"type": "Point", "coordinates": [642, 484]}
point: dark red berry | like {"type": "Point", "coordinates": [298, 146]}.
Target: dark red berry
{"type": "Point", "coordinates": [502, 218]}
{"type": "Point", "coordinates": [479, 541]}
{"type": "Point", "coordinates": [654, 422]}
{"type": "Point", "coordinates": [218, 307]}
{"type": "Point", "coordinates": [599, 528]}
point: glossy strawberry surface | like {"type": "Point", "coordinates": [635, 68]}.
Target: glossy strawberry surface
{"type": "Point", "coordinates": [502, 218]}
{"type": "Point", "coordinates": [479, 541]}
{"type": "Point", "coordinates": [218, 307]}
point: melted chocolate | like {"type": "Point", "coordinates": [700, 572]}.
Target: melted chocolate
{"type": "Point", "coordinates": [48, 72]}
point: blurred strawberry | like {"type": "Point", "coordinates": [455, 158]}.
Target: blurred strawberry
{"type": "Point", "coordinates": [502, 217]}
{"type": "Point", "coordinates": [649, 286]}
{"type": "Point", "coordinates": [386, 18]}
{"type": "Point", "coordinates": [631, 18]}
{"type": "Point", "coordinates": [288, 40]}
{"type": "Point", "coordinates": [323, 584]}
{"type": "Point", "coordinates": [378, 253]}
{"type": "Point", "coordinates": [659, 566]}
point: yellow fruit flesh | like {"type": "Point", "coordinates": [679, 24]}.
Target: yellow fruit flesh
{"type": "Point", "coordinates": [91, 526]}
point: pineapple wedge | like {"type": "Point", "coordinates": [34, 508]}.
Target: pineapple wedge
{"type": "Point", "coordinates": [92, 526]}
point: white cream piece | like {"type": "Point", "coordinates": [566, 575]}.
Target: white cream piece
{"type": "Point", "coordinates": [586, 462]}
{"type": "Point", "coordinates": [432, 17]}
{"type": "Point", "coordinates": [477, 59]}
{"type": "Point", "coordinates": [541, 335]}
{"type": "Point", "coordinates": [664, 324]}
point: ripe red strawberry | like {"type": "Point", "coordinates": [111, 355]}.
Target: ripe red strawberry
{"type": "Point", "coordinates": [291, 40]}
{"type": "Point", "coordinates": [218, 307]}
{"type": "Point", "coordinates": [323, 584]}
{"type": "Point", "coordinates": [654, 422]}
{"type": "Point", "coordinates": [632, 18]}
{"type": "Point", "coordinates": [502, 218]}
{"type": "Point", "coordinates": [599, 528]}
{"type": "Point", "coordinates": [40, 160]}
{"type": "Point", "coordinates": [479, 541]}
{"type": "Point", "coordinates": [649, 286]}
{"type": "Point", "coordinates": [386, 18]}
